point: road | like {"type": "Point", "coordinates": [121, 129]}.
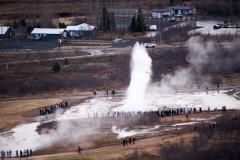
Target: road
{"type": "Point", "coordinates": [93, 53]}
{"type": "Point", "coordinates": [99, 52]}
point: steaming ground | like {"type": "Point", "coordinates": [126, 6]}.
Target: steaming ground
{"type": "Point", "coordinates": [139, 97]}
{"type": "Point", "coordinates": [25, 135]}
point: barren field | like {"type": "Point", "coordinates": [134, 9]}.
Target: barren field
{"type": "Point", "coordinates": [20, 83]}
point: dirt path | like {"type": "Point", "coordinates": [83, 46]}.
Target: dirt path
{"type": "Point", "coordinates": [140, 144]}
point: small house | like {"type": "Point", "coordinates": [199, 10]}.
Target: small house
{"type": "Point", "coordinates": [6, 32]}
{"type": "Point", "coordinates": [48, 33]}
{"type": "Point", "coordinates": [160, 13]}
{"type": "Point", "coordinates": [181, 10]}
{"type": "Point", "coordinates": [82, 30]}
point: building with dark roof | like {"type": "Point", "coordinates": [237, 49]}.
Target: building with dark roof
{"type": "Point", "coordinates": [48, 33]}
{"type": "Point", "coordinates": [6, 32]}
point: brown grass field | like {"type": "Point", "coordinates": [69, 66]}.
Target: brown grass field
{"type": "Point", "coordinates": [31, 83]}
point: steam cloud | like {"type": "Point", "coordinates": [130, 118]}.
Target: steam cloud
{"type": "Point", "coordinates": [203, 57]}
{"type": "Point", "coordinates": [67, 132]}
{"type": "Point", "coordinates": [141, 73]}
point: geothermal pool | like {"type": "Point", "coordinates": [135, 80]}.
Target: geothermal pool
{"type": "Point", "coordinates": [24, 136]}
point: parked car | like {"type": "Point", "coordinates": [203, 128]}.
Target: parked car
{"type": "Point", "coordinates": [172, 20]}
{"type": "Point", "coordinates": [118, 40]}
{"type": "Point", "coordinates": [149, 45]}
{"type": "Point", "coordinates": [179, 16]}
{"type": "Point", "coordinates": [38, 38]}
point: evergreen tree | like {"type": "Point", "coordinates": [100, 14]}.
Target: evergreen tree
{"type": "Point", "coordinates": [132, 26]}
{"type": "Point", "coordinates": [105, 20]}
{"type": "Point", "coordinates": [112, 21]}
{"type": "Point", "coordinates": [23, 23]}
{"type": "Point", "coordinates": [61, 25]}
{"type": "Point", "coordinates": [56, 67]}
{"type": "Point", "coordinates": [15, 24]}
{"type": "Point", "coordinates": [66, 61]}
{"type": "Point", "coordinates": [140, 26]}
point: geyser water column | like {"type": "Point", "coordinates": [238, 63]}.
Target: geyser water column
{"type": "Point", "coordinates": [140, 66]}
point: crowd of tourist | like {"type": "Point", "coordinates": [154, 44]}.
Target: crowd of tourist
{"type": "Point", "coordinates": [18, 153]}
{"type": "Point", "coordinates": [128, 140]}
{"type": "Point", "coordinates": [161, 113]}
{"type": "Point", "coordinates": [53, 108]}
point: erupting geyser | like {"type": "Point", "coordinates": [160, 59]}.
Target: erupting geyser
{"type": "Point", "coordinates": [141, 65]}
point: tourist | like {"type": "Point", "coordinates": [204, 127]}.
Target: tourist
{"type": "Point", "coordinates": [123, 141]}
{"type": "Point", "coordinates": [30, 152]}
{"type": "Point", "coordinates": [10, 153]}
{"type": "Point", "coordinates": [79, 149]}
{"type": "Point", "coordinates": [134, 139]}
{"type": "Point", "coordinates": [21, 153]}
{"type": "Point", "coordinates": [130, 140]}
{"type": "Point", "coordinates": [16, 153]}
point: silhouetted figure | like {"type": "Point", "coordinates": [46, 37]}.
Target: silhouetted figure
{"type": "Point", "coordinates": [194, 110]}
{"type": "Point", "coordinates": [10, 153]}
{"type": "Point", "coordinates": [30, 152]}
{"type": "Point", "coordinates": [195, 128]}
{"type": "Point", "coordinates": [207, 88]}
{"type": "Point", "coordinates": [79, 149]}
{"type": "Point", "coordinates": [224, 109]}
{"type": "Point", "coordinates": [130, 140]}
{"type": "Point", "coordinates": [113, 92]}
{"type": "Point", "coordinates": [21, 153]}
{"type": "Point", "coordinates": [16, 153]}
{"type": "Point", "coordinates": [134, 139]}
{"type": "Point", "coordinates": [123, 141]}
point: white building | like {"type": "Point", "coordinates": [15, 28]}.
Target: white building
{"type": "Point", "coordinates": [82, 30]}
{"type": "Point", "coordinates": [160, 13]}
{"type": "Point", "coordinates": [171, 11]}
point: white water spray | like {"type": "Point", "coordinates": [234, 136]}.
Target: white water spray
{"type": "Point", "coordinates": [141, 72]}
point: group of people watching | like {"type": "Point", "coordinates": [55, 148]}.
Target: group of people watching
{"type": "Point", "coordinates": [52, 109]}
{"type": "Point", "coordinates": [128, 140]}
{"type": "Point", "coordinates": [161, 113]}
{"type": "Point", "coordinates": [113, 92]}
{"type": "Point", "coordinates": [20, 153]}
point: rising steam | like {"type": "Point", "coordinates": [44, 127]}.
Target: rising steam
{"type": "Point", "coordinates": [204, 57]}
{"type": "Point", "coordinates": [141, 72]}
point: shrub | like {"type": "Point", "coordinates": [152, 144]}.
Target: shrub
{"type": "Point", "coordinates": [56, 67]}
{"type": "Point", "coordinates": [66, 62]}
